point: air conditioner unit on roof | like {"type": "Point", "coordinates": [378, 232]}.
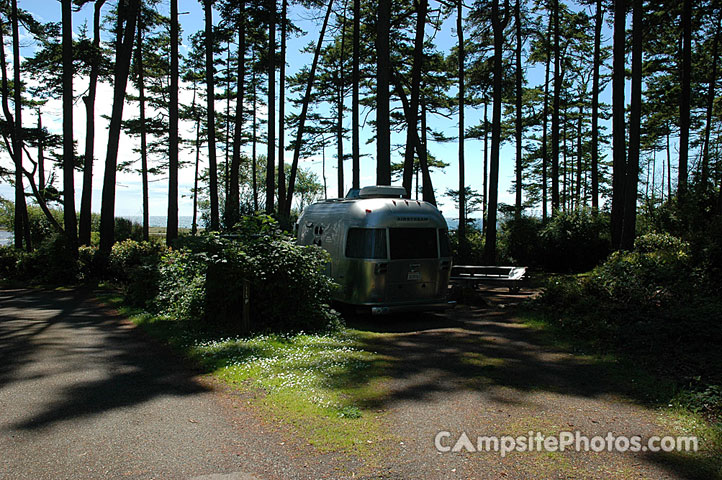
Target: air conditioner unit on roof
{"type": "Point", "coordinates": [382, 191]}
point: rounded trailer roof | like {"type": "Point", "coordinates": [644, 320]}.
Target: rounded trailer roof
{"type": "Point", "coordinates": [378, 212]}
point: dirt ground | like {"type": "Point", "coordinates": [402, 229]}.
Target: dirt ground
{"type": "Point", "coordinates": [84, 395]}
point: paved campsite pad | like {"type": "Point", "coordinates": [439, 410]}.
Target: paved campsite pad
{"type": "Point", "coordinates": [480, 371]}
{"type": "Point", "coordinates": [85, 395]}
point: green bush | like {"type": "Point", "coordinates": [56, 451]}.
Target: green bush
{"type": "Point", "coordinates": [181, 284]}
{"type": "Point", "coordinates": [519, 241]}
{"type": "Point", "coordinates": [90, 263]}
{"type": "Point", "coordinates": [651, 303]}
{"type": "Point", "coordinates": [54, 260]}
{"type": "Point", "coordinates": [204, 279]}
{"type": "Point", "coordinates": [574, 241]}
{"type": "Point", "coordinates": [475, 242]}
{"type": "Point", "coordinates": [40, 227]}
{"type": "Point", "coordinates": [127, 230]}
{"type": "Point", "coordinates": [10, 261]}
{"type": "Point", "coordinates": [656, 272]}
{"type": "Point", "coordinates": [288, 287]}
{"type": "Point", "coordinates": [135, 266]}
{"type": "Point", "coordinates": [51, 263]}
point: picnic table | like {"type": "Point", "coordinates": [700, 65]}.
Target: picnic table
{"type": "Point", "coordinates": [472, 275]}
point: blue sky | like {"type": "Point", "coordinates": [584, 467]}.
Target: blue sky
{"type": "Point", "coordinates": [128, 200]}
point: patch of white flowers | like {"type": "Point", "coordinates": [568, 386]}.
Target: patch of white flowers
{"type": "Point", "coordinates": [287, 362]}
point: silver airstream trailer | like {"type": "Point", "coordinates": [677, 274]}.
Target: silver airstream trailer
{"type": "Point", "coordinates": [387, 253]}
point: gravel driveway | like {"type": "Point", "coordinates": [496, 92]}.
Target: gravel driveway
{"type": "Point", "coordinates": [85, 395]}
{"type": "Point", "coordinates": [479, 371]}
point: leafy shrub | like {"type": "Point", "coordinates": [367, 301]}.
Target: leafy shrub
{"type": "Point", "coordinates": [51, 263]}
{"type": "Point", "coordinates": [657, 271]}
{"type": "Point", "coordinates": [475, 242]}
{"type": "Point", "coordinates": [10, 260]}
{"type": "Point", "coordinates": [127, 230]}
{"type": "Point", "coordinates": [701, 398]}
{"type": "Point", "coordinates": [55, 261]}
{"type": "Point", "coordinates": [204, 279]}
{"type": "Point", "coordinates": [288, 287]}
{"type": "Point", "coordinates": [651, 304]}
{"type": "Point", "coordinates": [519, 241]}
{"type": "Point", "coordinates": [574, 241]}
{"type": "Point", "coordinates": [90, 264]}
{"type": "Point", "coordinates": [40, 227]}
{"type": "Point", "coordinates": [135, 266]}
{"type": "Point", "coordinates": [181, 282]}
{"type": "Point", "coordinates": [289, 290]}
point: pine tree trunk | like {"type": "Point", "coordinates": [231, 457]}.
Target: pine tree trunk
{"type": "Point", "coordinates": [564, 189]}
{"type": "Point", "coordinates": [271, 143]}
{"type": "Point", "coordinates": [194, 225]}
{"type": "Point", "coordinates": [122, 68]}
{"type": "Point", "coordinates": [498, 25]}
{"type": "Point", "coordinates": [545, 139]}
{"type": "Point", "coordinates": [428, 191]}
{"type": "Point", "coordinates": [323, 170]}
{"type": "Point", "coordinates": [339, 109]}
{"type": "Point", "coordinates": [669, 169]}
{"type": "Point", "coordinates": [281, 113]}
{"type": "Point", "coordinates": [233, 207]}
{"type": "Point", "coordinates": [424, 143]}
{"type": "Point", "coordinates": [21, 225]}
{"type": "Point", "coordinates": [69, 216]}
{"type": "Point", "coordinates": [685, 99]}
{"type": "Point", "coordinates": [416, 67]}
{"type": "Point", "coordinates": [599, 19]}
{"type": "Point", "coordinates": [41, 156]}
{"type": "Point", "coordinates": [618, 124]}
{"type": "Point", "coordinates": [519, 93]}
{"type": "Point", "coordinates": [710, 104]}
{"type": "Point", "coordinates": [356, 79]}
{"type": "Point", "coordinates": [463, 247]}
{"type": "Point", "coordinates": [143, 136]}
{"type": "Point", "coordinates": [227, 139]}
{"type": "Point", "coordinates": [84, 226]}
{"type": "Point", "coordinates": [383, 74]}
{"type": "Point", "coordinates": [635, 130]}
{"type": "Point", "coordinates": [578, 191]}
{"type": "Point", "coordinates": [304, 110]}
{"type": "Point", "coordinates": [172, 221]}
{"type": "Point", "coordinates": [211, 117]}
{"type": "Point", "coordinates": [254, 166]}
{"type": "Point", "coordinates": [555, 109]}
{"type": "Point", "coordinates": [485, 195]}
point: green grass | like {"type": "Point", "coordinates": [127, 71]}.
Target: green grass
{"type": "Point", "coordinates": [324, 385]}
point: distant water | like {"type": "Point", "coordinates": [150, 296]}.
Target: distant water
{"type": "Point", "coordinates": [453, 223]}
{"type": "Point", "coordinates": [6, 238]}
{"type": "Point", "coordinates": [162, 220]}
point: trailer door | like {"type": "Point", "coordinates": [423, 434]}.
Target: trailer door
{"type": "Point", "coordinates": [414, 264]}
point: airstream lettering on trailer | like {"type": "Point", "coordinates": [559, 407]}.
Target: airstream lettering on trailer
{"type": "Point", "coordinates": [387, 252]}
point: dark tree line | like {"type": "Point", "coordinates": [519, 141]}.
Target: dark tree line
{"type": "Point", "coordinates": [378, 60]}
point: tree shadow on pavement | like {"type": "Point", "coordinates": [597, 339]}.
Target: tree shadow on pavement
{"type": "Point", "coordinates": [84, 356]}
{"type": "Point", "coordinates": [429, 357]}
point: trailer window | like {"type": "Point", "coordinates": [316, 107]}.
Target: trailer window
{"type": "Point", "coordinates": [366, 243]}
{"type": "Point", "coordinates": [444, 246]}
{"type": "Point", "coordinates": [408, 243]}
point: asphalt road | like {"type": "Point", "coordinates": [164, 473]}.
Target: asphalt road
{"type": "Point", "coordinates": [83, 394]}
